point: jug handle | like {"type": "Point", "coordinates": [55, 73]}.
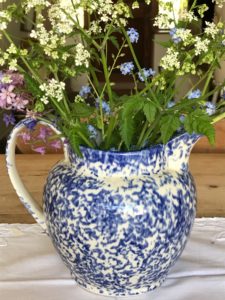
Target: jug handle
{"type": "Point", "coordinates": [31, 205]}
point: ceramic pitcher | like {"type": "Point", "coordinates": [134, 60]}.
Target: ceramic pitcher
{"type": "Point", "coordinates": [119, 220]}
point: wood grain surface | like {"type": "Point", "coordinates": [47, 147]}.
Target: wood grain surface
{"type": "Point", "coordinates": [207, 169]}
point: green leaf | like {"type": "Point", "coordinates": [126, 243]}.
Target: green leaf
{"type": "Point", "coordinates": [114, 41]}
{"type": "Point", "coordinates": [127, 130]}
{"type": "Point", "coordinates": [150, 111]}
{"type": "Point", "coordinates": [132, 106]}
{"type": "Point", "coordinates": [75, 142]}
{"type": "Point", "coordinates": [199, 122]}
{"type": "Point", "coordinates": [82, 110]}
{"type": "Point", "coordinates": [32, 86]}
{"type": "Point", "coordinates": [168, 125]}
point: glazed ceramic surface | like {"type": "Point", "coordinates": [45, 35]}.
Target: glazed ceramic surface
{"type": "Point", "coordinates": [119, 220]}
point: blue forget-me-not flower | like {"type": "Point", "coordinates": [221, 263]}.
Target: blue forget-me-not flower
{"type": "Point", "coordinates": [133, 35]}
{"type": "Point", "coordinates": [194, 94]}
{"type": "Point", "coordinates": [105, 106]}
{"type": "Point", "coordinates": [93, 132]}
{"type": "Point", "coordinates": [210, 108]}
{"type": "Point", "coordinates": [174, 37]}
{"type": "Point", "coordinates": [146, 73]}
{"type": "Point", "coordinates": [171, 104]}
{"type": "Point", "coordinates": [127, 67]}
{"type": "Point", "coordinates": [85, 90]}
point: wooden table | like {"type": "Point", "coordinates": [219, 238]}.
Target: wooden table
{"type": "Point", "coordinates": [207, 169]}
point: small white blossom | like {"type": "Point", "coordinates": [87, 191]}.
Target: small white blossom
{"type": "Point", "coordinates": [170, 60]}
{"type": "Point", "coordinates": [53, 89]}
{"type": "Point", "coordinates": [183, 35]}
{"type": "Point", "coordinates": [29, 4]}
{"type": "Point", "coordinates": [187, 16]}
{"type": "Point", "coordinates": [82, 56]}
{"type": "Point", "coordinates": [44, 99]}
{"type": "Point", "coordinates": [211, 29]}
{"type": "Point", "coordinates": [201, 46]}
{"type": "Point", "coordinates": [23, 52]}
{"type": "Point", "coordinates": [5, 18]}
{"type": "Point", "coordinates": [12, 49]}
{"type": "Point", "coordinates": [49, 40]}
{"type": "Point", "coordinates": [6, 79]}
{"type": "Point", "coordinates": [79, 99]}
{"type": "Point", "coordinates": [165, 17]}
{"type": "Point", "coordinates": [6, 55]}
{"type": "Point", "coordinates": [13, 65]}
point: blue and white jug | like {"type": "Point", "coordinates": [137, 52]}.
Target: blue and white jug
{"type": "Point", "coordinates": [118, 220]}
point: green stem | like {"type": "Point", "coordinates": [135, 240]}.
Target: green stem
{"type": "Point", "coordinates": [140, 140]}
{"type": "Point", "coordinates": [22, 58]}
{"type": "Point", "coordinates": [105, 69]}
{"type": "Point", "coordinates": [95, 79]}
{"type": "Point", "coordinates": [209, 77]}
{"type": "Point", "coordinates": [109, 132]}
{"type": "Point", "coordinates": [88, 143]}
{"type": "Point", "coordinates": [93, 86]}
{"type": "Point", "coordinates": [150, 130]}
{"type": "Point", "coordinates": [113, 66]}
{"type": "Point", "coordinates": [82, 30]}
{"type": "Point", "coordinates": [137, 62]}
{"type": "Point", "coordinates": [218, 118]}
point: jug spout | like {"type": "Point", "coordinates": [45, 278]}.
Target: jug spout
{"type": "Point", "coordinates": [177, 151]}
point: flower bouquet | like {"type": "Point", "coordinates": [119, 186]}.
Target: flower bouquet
{"type": "Point", "coordinates": [59, 48]}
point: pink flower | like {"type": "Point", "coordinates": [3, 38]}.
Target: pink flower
{"type": "Point", "coordinates": [40, 150]}
{"type": "Point", "coordinates": [7, 96]}
{"type": "Point", "coordinates": [17, 79]}
{"type": "Point", "coordinates": [3, 103]}
{"type": "Point", "coordinates": [56, 144]}
{"type": "Point", "coordinates": [19, 103]}
{"type": "Point", "coordinates": [44, 133]}
{"type": "Point", "coordinates": [25, 136]}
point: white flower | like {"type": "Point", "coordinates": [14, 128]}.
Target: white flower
{"type": "Point", "coordinates": [29, 4]}
{"type": "Point", "coordinates": [23, 52]}
{"type": "Point", "coordinates": [58, 15]}
{"type": "Point", "coordinates": [53, 89]}
{"type": "Point", "coordinates": [49, 40]}
{"type": "Point", "coordinates": [44, 99]}
{"type": "Point", "coordinates": [3, 25]}
{"type": "Point", "coordinates": [183, 35]}
{"type": "Point", "coordinates": [6, 79]}
{"type": "Point", "coordinates": [164, 21]}
{"type": "Point", "coordinates": [187, 16]}
{"type": "Point", "coordinates": [12, 49]}
{"type": "Point", "coordinates": [211, 29]}
{"type": "Point", "coordinates": [201, 46]}
{"type": "Point", "coordinates": [170, 60]}
{"type": "Point", "coordinates": [13, 65]}
{"type": "Point", "coordinates": [165, 17]}
{"type": "Point", "coordinates": [5, 18]}
{"type": "Point", "coordinates": [6, 55]}
{"type": "Point", "coordinates": [82, 56]}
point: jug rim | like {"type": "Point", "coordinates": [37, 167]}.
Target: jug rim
{"type": "Point", "coordinates": [85, 149]}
